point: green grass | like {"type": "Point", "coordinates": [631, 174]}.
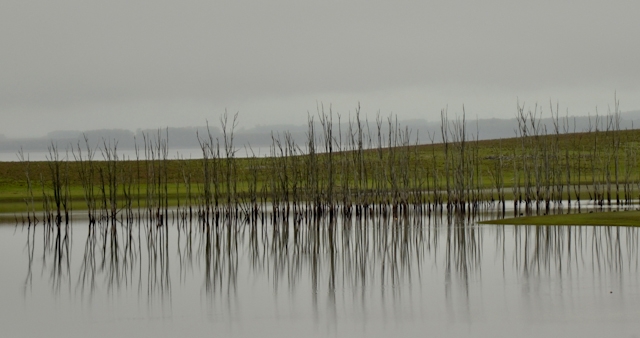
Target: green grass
{"type": "Point", "coordinates": [620, 218]}
{"type": "Point", "coordinates": [423, 162]}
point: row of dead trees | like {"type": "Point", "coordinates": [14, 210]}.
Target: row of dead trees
{"type": "Point", "coordinates": [377, 168]}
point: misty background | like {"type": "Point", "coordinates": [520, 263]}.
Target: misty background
{"type": "Point", "coordinates": [105, 65]}
{"type": "Point", "coordinates": [184, 142]}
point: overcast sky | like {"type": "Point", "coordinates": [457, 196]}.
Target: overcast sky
{"type": "Point", "coordinates": [147, 64]}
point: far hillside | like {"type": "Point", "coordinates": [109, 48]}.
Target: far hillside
{"type": "Point", "coordinates": [260, 138]}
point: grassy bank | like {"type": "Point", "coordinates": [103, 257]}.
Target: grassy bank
{"type": "Point", "coordinates": [357, 167]}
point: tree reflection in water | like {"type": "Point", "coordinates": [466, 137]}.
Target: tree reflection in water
{"type": "Point", "coordinates": [332, 256]}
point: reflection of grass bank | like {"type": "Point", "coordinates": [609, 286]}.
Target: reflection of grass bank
{"type": "Point", "coordinates": [620, 218]}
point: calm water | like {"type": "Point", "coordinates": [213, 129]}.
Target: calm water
{"type": "Point", "coordinates": [376, 278]}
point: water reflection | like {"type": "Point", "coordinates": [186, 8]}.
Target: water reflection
{"type": "Point", "coordinates": [547, 250]}
{"type": "Point", "coordinates": [359, 260]}
{"type": "Point", "coordinates": [55, 257]}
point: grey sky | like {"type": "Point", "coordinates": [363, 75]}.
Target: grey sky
{"type": "Point", "coordinates": [145, 64]}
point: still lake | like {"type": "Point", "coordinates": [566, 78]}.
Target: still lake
{"type": "Point", "coordinates": [373, 277]}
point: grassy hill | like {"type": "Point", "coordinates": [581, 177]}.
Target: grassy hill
{"type": "Point", "coordinates": [353, 167]}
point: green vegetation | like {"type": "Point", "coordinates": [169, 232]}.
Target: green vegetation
{"type": "Point", "coordinates": [384, 168]}
{"type": "Point", "coordinates": [622, 218]}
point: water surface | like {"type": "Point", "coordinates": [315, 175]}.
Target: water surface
{"type": "Point", "coordinates": [411, 276]}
